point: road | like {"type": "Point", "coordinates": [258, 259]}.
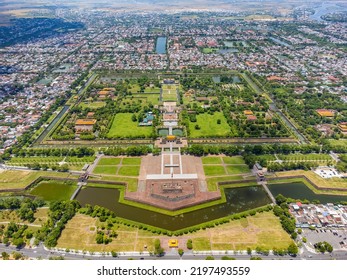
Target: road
{"type": "Point", "coordinates": [42, 253]}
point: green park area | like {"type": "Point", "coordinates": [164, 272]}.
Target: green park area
{"type": "Point", "coordinates": [13, 179]}
{"type": "Point", "coordinates": [124, 127]}
{"type": "Point", "coordinates": [261, 230]}
{"type": "Point", "coordinates": [122, 166]}
{"type": "Point", "coordinates": [93, 105]}
{"type": "Point", "coordinates": [54, 190]}
{"type": "Point", "coordinates": [209, 50]}
{"type": "Point", "coordinates": [73, 163]}
{"type": "Point", "coordinates": [169, 93]}
{"type": "Point", "coordinates": [224, 166]}
{"type": "Point", "coordinates": [207, 125]}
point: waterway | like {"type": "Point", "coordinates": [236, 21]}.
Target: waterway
{"type": "Point", "coordinates": [161, 45]}
{"type": "Point", "coordinates": [301, 191]}
{"type": "Point", "coordinates": [237, 200]}
{"type": "Point", "coordinates": [51, 125]}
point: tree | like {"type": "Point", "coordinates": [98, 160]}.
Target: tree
{"type": "Point", "coordinates": [293, 249]}
{"type": "Point", "coordinates": [219, 121]}
{"type": "Point", "coordinates": [227, 258]}
{"type": "Point", "coordinates": [114, 254]}
{"type": "Point", "coordinates": [17, 255]}
{"type": "Point", "coordinates": [249, 251]}
{"type": "Point", "coordinates": [189, 244]}
{"type": "Point", "coordinates": [158, 250]}
{"type": "Point", "coordinates": [180, 252]}
{"type": "Point", "coordinates": [5, 256]}
{"type": "Point", "coordinates": [18, 242]}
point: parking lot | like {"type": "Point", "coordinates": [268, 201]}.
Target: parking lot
{"type": "Point", "coordinates": [336, 237]}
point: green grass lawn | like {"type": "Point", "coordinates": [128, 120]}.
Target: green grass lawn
{"type": "Point", "coordinates": [54, 190]}
{"type": "Point", "coordinates": [147, 98]}
{"type": "Point", "coordinates": [338, 143]}
{"type": "Point", "coordinates": [211, 160]}
{"type": "Point", "coordinates": [304, 157]}
{"type": "Point", "coordinates": [214, 170]}
{"type": "Point", "coordinates": [10, 179]}
{"type": "Point", "coordinates": [93, 105]}
{"type": "Point", "coordinates": [109, 161]}
{"type": "Point", "coordinates": [208, 50]}
{"type": "Point", "coordinates": [134, 88]}
{"type": "Point", "coordinates": [105, 169]}
{"type": "Point", "coordinates": [152, 90]}
{"type": "Point", "coordinates": [233, 160]}
{"type": "Point", "coordinates": [129, 171]}
{"type": "Point", "coordinates": [131, 161]}
{"type": "Point", "coordinates": [169, 92]}
{"type": "Point", "coordinates": [237, 169]}
{"type": "Point", "coordinates": [208, 126]}
{"type": "Point", "coordinates": [124, 127]}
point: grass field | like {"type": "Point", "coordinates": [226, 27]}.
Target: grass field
{"type": "Point", "coordinates": [237, 169]}
{"type": "Point", "coordinates": [148, 98]}
{"type": "Point", "coordinates": [74, 163]}
{"type": "Point", "coordinates": [124, 127]}
{"type": "Point", "coordinates": [169, 93]}
{"type": "Point", "coordinates": [129, 171]}
{"type": "Point", "coordinates": [214, 170]}
{"type": "Point", "coordinates": [142, 98]}
{"type": "Point", "coordinates": [41, 216]}
{"type": "Point", "coordinates": [306, 157]}
{"type": "Point", "coordinates": [233, 160]}
{"type": "Point", "coordinates": [126, 166]}
{"type": "Point", "coordinates": [109, 161]}
{"type": "Point", "coordinates": [152, 90]}
{"type": "Point", "coordinates": [10, 179]}
{"type": "Point", "coordinates": [131, 161]}
{"type": "Point", "coordinates": [105, 169]}
{"type": "Point", "coordinates": [219, 166]}
{"type": "Point", "coordinates": [211, 160]}
{"type": "Point", "coordinates": [338, 143]}
{"type": "Point", "coordinates": [54, 190]}
{"type": "Point", "coordinates": [263, 229]}
{"type": "Point", "coordinates": [208, 126]}
{"type": "Point", "coordinates": [93, 105]}
{"type": "Point", "coordinates": [209, 50]}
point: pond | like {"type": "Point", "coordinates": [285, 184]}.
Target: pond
{"type": "Point", "coordinates": [237, 200]}
{"type": "Point", "coordinates": [177, 132]}
{"type": "Point", "coordinates": [278, 41]}
{"type": "Point", "coordinates": [54, 190]}
{"type": "Point", "coordinates": [161, 45]}
{"type": "Point", "coordinates": [163, 131]}
{"type": "Point", "coordinates": [299, 190]}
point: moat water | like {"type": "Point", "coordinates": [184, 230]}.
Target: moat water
{"type": "Point", "coordinates": [237, 200]}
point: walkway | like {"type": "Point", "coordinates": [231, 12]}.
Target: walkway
{"type": "Point", "coordinates": [268, 191]}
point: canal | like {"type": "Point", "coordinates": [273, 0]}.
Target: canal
{"type": "Point", "coordinates": [237, 200]}
{"type": "Point", "coordinates": [300, 191]}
